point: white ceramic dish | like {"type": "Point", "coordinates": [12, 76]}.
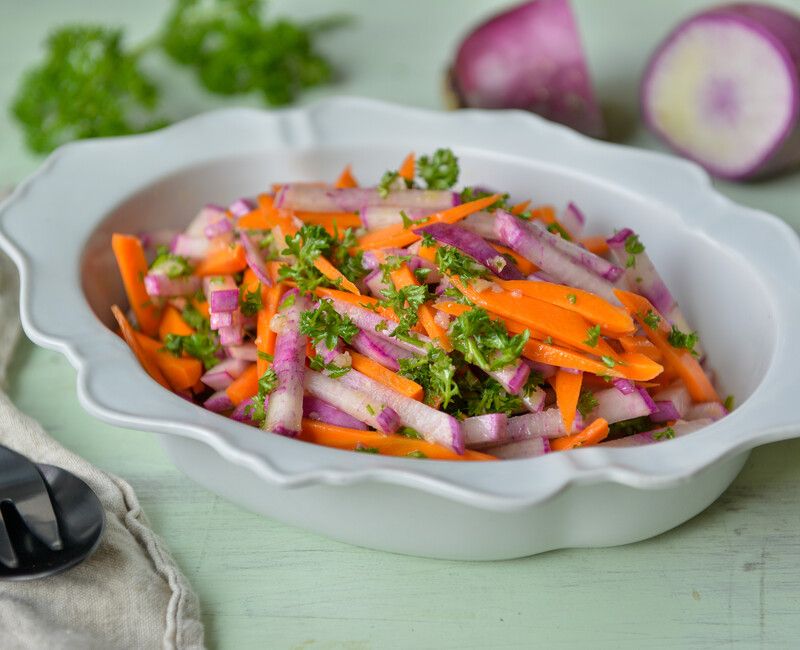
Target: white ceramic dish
{"type": "Point", "coordinates": [733, 269]}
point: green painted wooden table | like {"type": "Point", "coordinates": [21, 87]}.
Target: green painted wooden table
{"type": "Point", "coordinates": [730, 577]}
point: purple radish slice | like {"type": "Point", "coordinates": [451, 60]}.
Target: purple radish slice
{"type": "Point", "coordinates": [475, 247]}
{"type": "Point", "coordinates": [481, 223]}
{"type": "Point", "coordinates": [313, 198]}
{"type": "Point", "coordinates": [357, 404]}
{"type": "Point", "coordinates": [255, 260]}
{"type": "Point", "coordinates": [678, 395]}
{"type": "Point", "coordinates": [285, 409]}
{"type": "Point", "coordinates": [241, 207]}
{"type": "Point", "coordinates": [375, 217]}
{"type": "Point", "coordinates": [614, 406]}
{"type": "Point", "coordinates": [217, 228]}
{"type": "Point", "coordinates": [193, 248]}
{"type": "Point", "coordinates": [207, 215]}
{"type": "Point", "coordinates": [316, 409]}
{"type": "Point", "coordinates": [711, 410]}
{"type": "Point", "coordinates": [529, 57]}
{"type": "Point", "coordinates": [485, 429]}
{"type": "Point", "coordinates": [378, 350]}
{"type": "Point", "coordinates": [724, 90]}
{"type": "Point", "coordinates": [547, 424]}
{"type": "Point", "coordinates": [573, 220]}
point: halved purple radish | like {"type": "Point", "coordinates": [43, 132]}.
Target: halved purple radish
{"type": "Point", "coordinates": [531, 58]}
{"type": "Point", "coordinates": [724, 90]}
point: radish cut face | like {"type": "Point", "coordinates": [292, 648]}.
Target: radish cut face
{"type": "Point", "coordinates": [723, 90]}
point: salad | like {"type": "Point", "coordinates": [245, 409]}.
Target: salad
{"type": "Point", "coordinates": [414, 319]}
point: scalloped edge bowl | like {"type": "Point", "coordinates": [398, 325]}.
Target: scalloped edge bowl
{"type": "Point", "coordinates": [734, 270]}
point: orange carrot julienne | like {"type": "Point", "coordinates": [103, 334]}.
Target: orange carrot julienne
{"type": "Point", "coordinates": [254, 220]}
{"type": "Point", "coordinates": [568, 391]}
{"type": "Point", "coordinates": [403, 277]}
{"type": "Point", "coordinates": [428, 253]}
{"type": "Point", "coordinates": [680, 360]}
{"type": "Point", "coordinates": [146, 359]}
{"type": "Point", "coordinates": [519, 208]}
{"type": "Point", "coordinates": [334, 275]}
{"type": "Point", "coordinates": [244, 386]}
{"type": "Point", "coordinates": [330, 220]}
{"type": "Point", "coordinates": [346, 179]}
{"type": "Point", "coordinates": [588, 305]}
{"type": "Point", "coordinates": [173, 323]}
{"type": "Point", "coordinates": [133, 267]}
{"type": "Point", "coordinates": [563, 325]}
{"type": "Point", "coordinates": [408, 168]}
{"type": "Point", "coordinates": [596, 432]}
{"type": "Point", "coordinates": [265, 337]}
{"type": "Point", "coordinates": [376, 371]}
{"type": "Point", "coordinates": [181, 373]}
{"type": "Point", "coordinates": [642, 345]}
{"type": "Point", "coordinates": [331, 435]}
{"type": "Point", "coordinates": [596, 245]}
{"type": "Point", "coordinates": [398, 235]}
{"type": "Point", "coordinates": [225, 260]}
{"type": "Point", "coordinates": [525, 266]}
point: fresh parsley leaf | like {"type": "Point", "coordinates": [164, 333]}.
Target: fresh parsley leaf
{"type": "Point", "coordinates": [250, 301]}
{"type": "Point", "coordinates": [473, 194]}
{"type": "Point", "coordinates": [408, 432]}
{"type": "Point", "coordinates": [587, 403]}
{"type": "Point", "coordinates": [366, 450]}
{"type": "Point", "coordinates": [87, 86]}
{"type": "Point", "coordinates": [200, 345]}
{"type": "Point", "coordinates": [664, 434]}
{"type": "Point", "coordinates": [421, 273]}
{"type": "Point", "coordinates": [325, 324]}
{"type": "Point", "coordinates": [350, 265]}
{"type": "Point", "coordinates": [405, 302]}
{"type": "Point", "coordinates": [316, 363]}
{"type": "Point", "coordinates": [407, 221]}
{"type": "Point", "coordinates": [266, 384]}
{"type": "Point", "coordinates": [592, 336]}
{"type": "Point", "coordinates": [194, 318]}
{"type": "Point", "coordinates": [651, 319]}
{"type": "Point", "coordinates": [392, 263]}
{"type": "Point", "coordinates": [678, 339]}
{"type": "Point", "coordinates": [484, 341]}
{"type": "Point", "coordinates": [572, 298]}
{"type": "Point", "coordinates": [427, 239]}
{"type": "Point", "coordinates": [265, 356]}
{"type": "Point", "coordinates": [633, 247]}
{"type": "Point", "coordinates": [435, 372]}
{"type": "Point", "coordinates": [387, 183]}
{"type": "Point", "coordinates": [439, 171]}
{"type": "Point", "coordinates": [557, 229]}
{"type": "Point", "coordinates": [232, 51]}
{"type": "Point", "coordinates": [490, 397]}
{"type": "Point", "coordinates": [171, 265]}
{"type": "Point", "coordinates": [452, 261]}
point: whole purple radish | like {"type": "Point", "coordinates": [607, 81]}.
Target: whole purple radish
{"type": "Point", "coordinates": [724, 90]}
{"type": "Point", "coordinates": [529, 57]}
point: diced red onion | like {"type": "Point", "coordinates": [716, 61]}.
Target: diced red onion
{"type": "Point", "coordinates": [221, 375]}
{"type": "Point", "coordinates": [624, 386]}
{"type": "Point", "coordinates": [241, 207]}
{"type": "Point", "coordinates": [245, 352]}
{"type": "Point", "coordinates": [573, 219]}
{"type": "Point", "coordinates": [614, 406]}
{"type": "Point", "coordinates": [242, 413]}
{"type": "Point", "coordinates": [230, 335]}
{"type": "Point", "coordinates": [221, 319]}
{"type": "Point", "coordinates": [209, 213]}
{"type": "Point", "coordinates": [512, 377]}
{"type": "Point", "coordinates": [678, 395]}
{"type": "Point", "coordinates": [190, 247]}
{"type": "Point", "coordinates": [255, 260]}
{"type": "Point", "coordinates": [712, 410]}
{"type": "Point", "coordinates": [665, 412]}
{"type": "Point", "coordinates": [219, 402]}
{"type": "Point", "coordinates": [217, 228]}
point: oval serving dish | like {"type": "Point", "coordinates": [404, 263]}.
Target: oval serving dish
{"type": "Point", "coordinates": [733, 269]}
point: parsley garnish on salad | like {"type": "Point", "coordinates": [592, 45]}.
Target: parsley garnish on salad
{"type": "Point", "coordinates": [633, 247]}
{"type": "Point", "coordinates": [200, 345]}
{"type": "Point", "coordinates": [171, 265]}
{"type": "Point", "coordinates": [678, 339]}
{"type": "Point", "coordinates": [439, 171]}
{"type": "Point", "coordinates": [484, 341]}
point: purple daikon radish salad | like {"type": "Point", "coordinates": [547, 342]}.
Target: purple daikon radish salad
{"type": "Point", "coordinates": [416, 318]}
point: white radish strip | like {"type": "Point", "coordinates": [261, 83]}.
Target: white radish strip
{"type": "Point", "coordinates": [522, 449]}
{"type": "Point", "coordinates": [614, 406]}
{"type": "Point", "coordinates": [678, 395]}
{"type": "Point", "coordinates": [313, 198]}
{"type": "Point", "coordinates": [359, 405]}
{"type": "Point", "coordinates": [315, 408]}
{"type": "Point", "coordinates": [642, 277]}
{"type": "Point", "coordinates": [485, 429]}
{"type": "Point", "coordinates": [482, 224]}
{"type": "Point", "coordinates": [711, 410]}
{"type": "Point", "coordinates": [547, 424]}
{"type": "Point", "coordinates": [573, 220]}
{"type": "Point", "coordinates": [724, 90]}
{"type": "Point", "coordinates": [513, 232]}
{"type": "Point", "coordinates": [285, 408]}
{"type": "Point", "coordinates": [433, 425]}
{"type": "Point", "coordinates": [375, 217]}
{"type": "Point", "coordinates": [680, 428]}
{"type": "Point", "coordinates": [221, 375]}
{"type": "Point", "coordinates": [383, 352]}
{"type": "Point", "coordinates": [247, 352]}
{"type": "Point", "coordinates": [534, 401]}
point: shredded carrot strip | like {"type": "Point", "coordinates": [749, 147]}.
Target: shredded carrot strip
{"type": "Point", "coordinates": [346, 179]}
{"type": "Point", "coordinates": [244, 386]}
{"type": "Point", "coordinates": [334, 275]}
{"type": "Point", "coordinates": [133, 267]}
{"type": "Point", "coordinates": [408, 168]}
{"type": "Point", "coordinates": [519, 208]}
{"type": "Point", "coordinates": [225, 260]}
{"type": "Point", "coordinates": [376, 371]}
{"type": "Point", "coordinates": [173, 323]}
{"type": "Point", "coordinates": [596, 432]}
{"type": "Point", "coordinates": [403, 277]}
{"type": "Point", "coordinates": [147, 361]}
{"type": "Point", "coordinates": [596, 245]}
{"type": "Point", "coordinates": [265, 337]}
{"type": "Point", "coordinates": [568, 391]}
{"type": "Point", "coordinates": [525, 266]}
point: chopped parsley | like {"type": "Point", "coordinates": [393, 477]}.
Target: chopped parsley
{"type": "Point", "coordinates": [390, 264]}
{"type": "Point", "coordinates": [473, 194]}
{"type": "Point", "coordinates": [572, 298]}
{"type": "Point", "coordinates": [266, 384]}
{"type": "Point", "coordinates": [171, 265]}
{"type": "Point", "coordinates": [678, 339]}
{"type": "Point", "coordinates": [630, 427]}
{"type": "Point", "coordinates": [651, 319]}
{"type": "Point", "coordinates": [435, 372]}
{"type": "Point", "coordinates": [452, 261]}
{"type": "Point", "coordinates": [200, 345]}
{"type": "Point", "coordinates": [405, 302]}
{"type": "Point", "coordinates": [664, 434]}
{"type": "Point", "coordinates": [194, 318]}
{"type": "Point", "coordinates": [388, 182]}
{"type": "Point", "coordinates": [557, 229]}
{"type": "Point", "coordinates": [250, 301]}
{"type": "Point", "coordinates": [633, 247]}
{"type": "Point", "coordinates": [325, 324]}
{"type": "Point", "coordinates": [334, 371]}
{"type": "Point", "coordinates": [484, 341]}
{"type": "Point", "coordinates": [439, 171]}
{"type": "Point", "coordinates": [416, 454]}
{"type": "Point", "coordinates": [608, 362]}
{"type": "Point", "coordinates": [728, 403]}
{"type": "Point", "coordinates": [592, 336]}
{"type": "Point", "coordinates": [587, 403]}
{"type": "Point", "coordinates": [366, 450]}
{"type": "Point", "coordinates": [488, 396]}
{"type": "Point", "coordinates": [408, 432]}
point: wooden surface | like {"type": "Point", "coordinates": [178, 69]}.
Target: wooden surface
{"type": "Point", "coordinates": [728, 578]}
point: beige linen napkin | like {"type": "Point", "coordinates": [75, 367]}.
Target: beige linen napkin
{"type": "Point", "coordinates": [130, 593]}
